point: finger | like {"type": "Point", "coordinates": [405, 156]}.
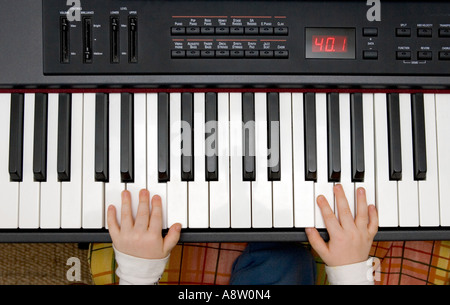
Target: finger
{"type": "Point", "coordinates": [330, 220]}
{"type": "Point", "coordinates": [362, 216]}
{"type": "Point", "coordinates": [316, 241]}
{"type": "Point", "coordinates": [126, 214]}
{"type": "Point", "coordinates": [172, 238]}
{"type": "Point", "coordinates": [344, 212]}
{"type": "Point", "coordinates": [113, 225]}
{"type": "Point", "coordinates": [373, 220]}
{"type": "Point", "coordinates": [143, 212]}
{"type": "Point", "coordinates": [155, 225]}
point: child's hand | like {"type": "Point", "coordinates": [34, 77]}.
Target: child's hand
{"type": "Point", "coordinates": [142, 237]}
{"type": "Point", "coordinates": [350, 240]}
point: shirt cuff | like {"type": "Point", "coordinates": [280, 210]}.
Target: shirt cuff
{"type": "Point", "coordinates": [353, 274]}
{"type": "Point", "coordinates": [133, 270]}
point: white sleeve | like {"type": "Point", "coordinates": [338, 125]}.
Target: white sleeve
{"type": "Point", "coordinates": [354, 274]}
{"type": "Point", "coordinates": [139, 271]}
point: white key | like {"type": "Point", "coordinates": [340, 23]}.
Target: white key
{"type": "Point", "coordinates": [114, 187]}
{"type": "Point", "coordinates": [154, 187]}
{"type": "Point", "coordinates": [240, 190]}
{"type": "Point", "coordinates": [369, 150]}
{"type": "Point", "coordinates": [304, 204]}
{"type": "Point", "coordinates": [51, 189]}
{"type": "Point", "coordinates": [322, 187]}
{"type": "Point", "coordinates": [93, 191]}
{"type": "Point", "coordinates": [176, 189]}
{"type": "Point", "coordinates": [29, 199]}
{"type": "Point", "coordinates": [198, 189]}
{"type": "Point", "coordinates": [140, 150]}
{"type": "Point", "coordinates": [219, 195]}
{"type": "Point", "coordinates": [386, 190]}
{"type": "Point", "coordinates": [443, 145]}
{"type": "Point", "coordinates": [346, 150]}
{"type": "Point", "coordinates": [261, 187]}
{"type": "Point", "coordinates": [408, 197]}
{"type": "Point", "coordinates": [71, 192]}
{"type": "Point", "coordinates": [283, 197]}
{"type": "Point", "coordinates": [9, 205]}
{"type": "Point", "coordinates": [429, 188]}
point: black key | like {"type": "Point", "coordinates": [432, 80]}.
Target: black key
{"type": "Point", "coordinates": [334, 138]}
{"type": "Point", "coordinates": [163, 138]}
{"type": "Point", "coordinates": [211, 136]}
{"type": "Point", "coordinates": [64, 137]}
{"type": "Point", "coordinates": [273, 136]}
{"type": "Point", "coordinates": [101, 137]}
{"type": "Point", "coordinates": [40, 138]}
{"type": "Point", "coordinates": [309, 119]}
{"type": "Point", "coordinates": [16, 137]}
{"type": "Point", "coordinates": [394, 137]}
{"type": "Point", "coordinates": [187, 137]}
{"type": "Point", "coordinates": [127, 138]}
{"type": "Point", "coordinates": [357, 137]}
{"type": "Point", "coordinates": [419, 140]}
{"type": "Point", "coordinates": [248, 136]}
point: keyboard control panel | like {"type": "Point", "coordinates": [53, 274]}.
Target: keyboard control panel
{"type": "Point", "coordinates": [245, 37]}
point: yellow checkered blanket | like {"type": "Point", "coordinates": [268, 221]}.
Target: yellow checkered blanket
{"type": "Point", "coordinates": [398, 263]}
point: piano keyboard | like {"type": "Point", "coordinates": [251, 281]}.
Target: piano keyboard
{"type": "Point", "coordinates": [251, 160]}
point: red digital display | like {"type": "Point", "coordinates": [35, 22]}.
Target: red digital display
{"type": "Point", "coordinates": [329, 44]}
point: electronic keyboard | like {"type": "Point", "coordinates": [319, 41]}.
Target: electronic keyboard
{"type": "Point", "coordinates": [238, 114]}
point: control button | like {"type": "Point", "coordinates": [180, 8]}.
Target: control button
{"type": "Point", "coordinates": [252, 53]}
{"type": "Point", "coordinates": [444, 32]}
{"type": "Point", "coordinates": [251, 31]}
{"type": "Point", "coordinates": [425, 55]}
{"type": "Point", "coordinates": [424, 32]}
{"type": "Point", "coordinates": [193, 30]}
{"type": "Point", "coordinates": [403, 32]}
{"type": "Point", "coordinates": [222, 30]}
{"type": "Point", "coordinates": [370, 32]}
{"type": "Point", "coordinates": [280, 31]}
{"type": "Point", "coordinates": [178, 54]}
{"type": "Point", "coordinates": [403, 55]}
{"type": "Point", "coordinates": [222, 53]}
{"type": "Point", "coordinates": [192, 53]}
{"type": "Point", "coordinates": [281, 54]}
{"type": "Point", "coordinates": [237, 54]}
{"type": "Point", "coordinates": [178, 30]}
{"type": "Point", "coordinates": [444, 55]}
{"type": "Point", "coordinates": [207, 30]}
{"type": "Point", "coordinates": [207, 54]}
{"type": "Point", "coordinates": [266, 30]}
{"type": "Point", "coordinates": [266, 54]}
{"type": "Point", "coordinates": [237, 30]}
{"type": "Point", "coordinates": [370, 54]}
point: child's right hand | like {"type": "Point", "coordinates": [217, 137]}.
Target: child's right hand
{"type": "Point", "coordinates": [350, 239]}
{"type": "Point", "coordinates": [142, 237]}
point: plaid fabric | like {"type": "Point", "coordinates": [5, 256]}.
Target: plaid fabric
{"type": "Point", "coordinates": [399, 263]}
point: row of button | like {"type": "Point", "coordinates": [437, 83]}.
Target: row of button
{"type": "Point", "coordinates": [422, 32]}
{"type": "Point", "coordinates": [224, 30]}
{"type": "Point", "coordinates": [230, 54]}
{"type": "Point", "coordinates": [422, 55]}
{"type": "Point", "coordinates": [406, 55]}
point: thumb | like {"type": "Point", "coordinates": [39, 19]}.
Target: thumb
{"type": "Point", "coordinates": [316, 241]}
{"type": "Point", "coordinates": [172, 238]}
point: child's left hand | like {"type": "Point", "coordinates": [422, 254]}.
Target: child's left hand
{"type": "Point", "coordinates": [142, 237]}
{"type": "Point", "coordinates": [350, 239]}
